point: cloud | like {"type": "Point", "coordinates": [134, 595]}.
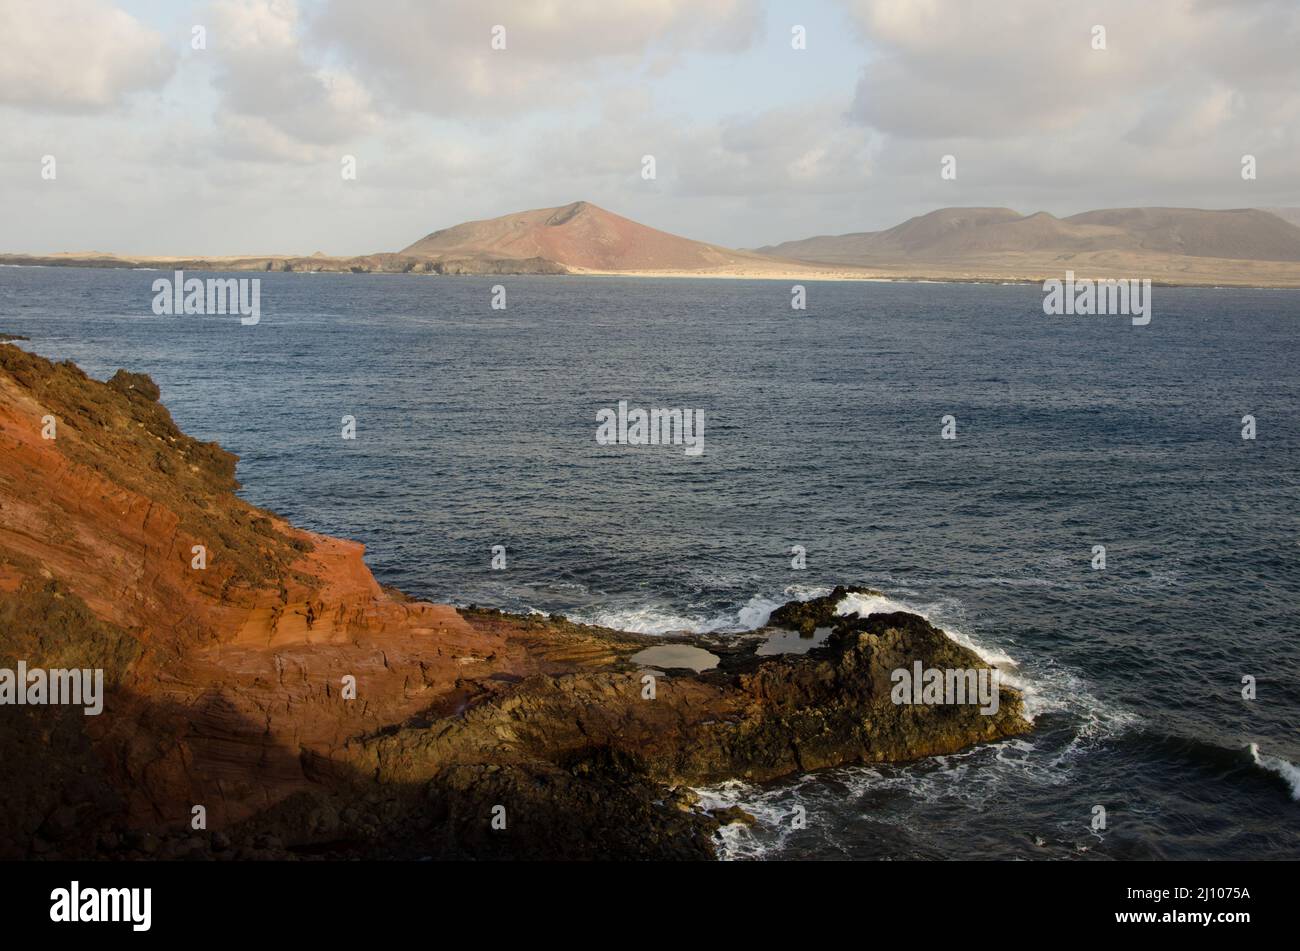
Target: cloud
{"type": "Point", "coordinates": [1039, 119]}
{"type": "Point", "coordinates": [963, 68]}
{"type": "Point", "coordinates": [275, 104]}
{"type": "Point", "coordinates": [438, 58]}
{"type": "Point", "coordinates": [76, 56]}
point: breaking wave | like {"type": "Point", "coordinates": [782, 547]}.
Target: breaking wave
{"type": "Point", "coordinates": [1289, 772]}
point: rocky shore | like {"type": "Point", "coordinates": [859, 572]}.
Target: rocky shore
{"type": "Point", "coordinates": [312, 713]}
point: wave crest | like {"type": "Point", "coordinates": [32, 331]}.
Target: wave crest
{"type": "Point", "coordinates": [1289, 772]}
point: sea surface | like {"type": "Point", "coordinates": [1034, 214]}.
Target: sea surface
{"type": "Point", "coordinates": [477, 427]}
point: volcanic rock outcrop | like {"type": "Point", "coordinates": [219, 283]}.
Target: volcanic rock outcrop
{"type": "Point", "coordinates": [261, 672]}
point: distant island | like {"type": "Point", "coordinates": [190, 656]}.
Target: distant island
{"type": "Point", "coordinates": [1181, 246]}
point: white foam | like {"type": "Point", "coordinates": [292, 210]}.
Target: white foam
{"type": "Point", "coordinates": [1048, 688]}
{"type": "Point", "coordinates": [866, 604]}
{"type": "Point", "coordinates": [1275, 764]}
{"type": "Point", "coordinates": [754, 614]}
{"type": "Point", "coordinates": [646, 620]}
{"type": "Point", "coordinates": [772, 808]}
{"type": "Point", "coordinates": [975, 776]}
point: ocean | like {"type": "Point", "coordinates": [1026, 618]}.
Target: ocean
{"type": "Point", "coordinates": [476, 427]}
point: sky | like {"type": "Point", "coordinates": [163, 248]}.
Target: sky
{"type": "Point", "coordinates": [161, 144]}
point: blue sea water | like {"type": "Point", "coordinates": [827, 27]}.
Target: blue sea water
{"type": "Point", "coordinates": [476, 427]}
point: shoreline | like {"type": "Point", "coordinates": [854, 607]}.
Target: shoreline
{"type": "Point", "coordinates": [538, 268]}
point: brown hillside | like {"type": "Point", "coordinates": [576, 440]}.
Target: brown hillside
{"type": "Point", "coordinates": [579, 235]}
{"type": "Point", "coordinates": [966, 234]}
{"type": "Point", "coordinates": [1245, 234]}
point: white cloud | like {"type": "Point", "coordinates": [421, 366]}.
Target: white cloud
{"type": "Point", "coordinates": [1040, 120]}
{"type": "Point", "coordinates": [970, 69]}
{"type": "Point", "coordinates": [275, 103]}
{"type": "Point", "coordinates": [76, 55]}
{"type": "Point", "coordinates": [438, 58]}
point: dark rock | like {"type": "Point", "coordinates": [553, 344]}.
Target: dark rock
{"type": "Point", "coordinates": [683, 798]}
{"type": "Point", "coordinates": [807, 616]}
{"type": "Point", "coordinates": [733, 814]}
{"type": "Point", "coordinates": [140, 383]}
{"type": "Point", "coordinates": [60, 824]}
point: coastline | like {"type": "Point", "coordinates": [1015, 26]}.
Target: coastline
{"type": "Point", "coordinates": [228, 685]}
{"type": "Point", "coordinates": [1162, 270]}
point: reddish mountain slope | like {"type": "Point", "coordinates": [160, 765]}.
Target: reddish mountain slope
{"type": "Point", "coordinates": [579, 235]}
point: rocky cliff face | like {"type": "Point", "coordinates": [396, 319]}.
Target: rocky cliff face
{"type": "Point", "coordinates": [228, 685]}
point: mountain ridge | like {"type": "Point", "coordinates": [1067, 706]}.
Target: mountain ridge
{"type": "Point", "coordinates": [948, 234]}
